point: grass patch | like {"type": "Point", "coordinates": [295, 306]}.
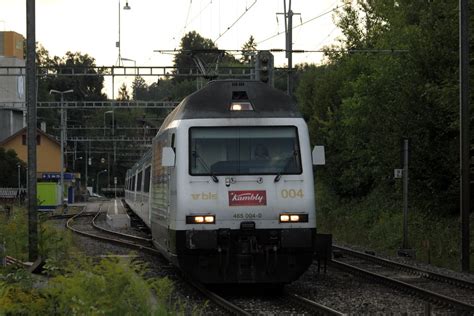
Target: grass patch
{"type": "Point", "coordinates": [108, 287]}
{"type": "Point", "coordinates": [376, 222]}
{"type": "Point", "coordinates": [74, 284]}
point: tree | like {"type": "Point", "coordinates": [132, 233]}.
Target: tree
{"type": "Point", "coordinates": [86, 88]}
{"type": "Point", "coordinates": [360, 105]}
{"type": "Point", "coordinates": [248, 50]}
{"type": "Point", "coordinates": [195, 47]}
{"type": "Point", "coordinates": [8, 168]}
{"type": "Point", "coordinates": [123, 93]}
{"type": "Point", "coordinates": [139, 88]}
{"type": "Point", "coordinates": [191, 44]}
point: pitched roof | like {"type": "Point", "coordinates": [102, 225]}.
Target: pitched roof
{"type": "Point", "coordinates": [23, 130]}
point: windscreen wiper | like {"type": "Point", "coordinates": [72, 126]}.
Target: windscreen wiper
{"type": "Point", "coordinates": [206, 167]}
{"type": "Point", "coordinates": [285, 168]}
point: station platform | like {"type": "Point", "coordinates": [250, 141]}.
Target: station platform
{"type": "Point", "coordinates": [117, 216]}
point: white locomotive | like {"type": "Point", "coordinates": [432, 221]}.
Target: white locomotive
{"type": "Point", "coordinates": [227, 188]}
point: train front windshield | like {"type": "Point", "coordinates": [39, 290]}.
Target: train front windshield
{"type": "Point", "coordinates": [244, 150]}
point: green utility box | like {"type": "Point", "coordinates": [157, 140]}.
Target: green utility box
{"type": "Point", "coordinates": [48, 194]}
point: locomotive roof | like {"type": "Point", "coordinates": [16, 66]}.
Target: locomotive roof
{"type": "Point", "coordinates": [215, 99]}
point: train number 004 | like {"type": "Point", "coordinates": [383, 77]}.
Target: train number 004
{"type": "Point", "coordinates": [292, 194]}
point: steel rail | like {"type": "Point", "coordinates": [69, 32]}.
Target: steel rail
{"type": "Point", "coordinates": [414, 290]}
{"type": "Point", "coordinates": [407, 268]}
{"type": "Point", "coordinates": [228, 306]}
{"type": "Point", "coordinates": [219, 300]}
{"type": "Point", "coordinates": [112, 232]}
{"type": "Point", "coordinates": [319, 309]}
{"type": "Point", "coordinates": [112, 240]}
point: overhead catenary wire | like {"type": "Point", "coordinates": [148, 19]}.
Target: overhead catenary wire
{"type": "Point", "coordinates": [200, 13]}
{"type": "Point", "coordinates": [238, 19]}
{"type": "Point", "coordinates": [299, 25]}
{"type": "Point", "coordinates": [187, 15]}
{"type": "Point", "coordinates": [187, 18]}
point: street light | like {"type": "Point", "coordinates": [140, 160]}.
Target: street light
{"type": "Point", "coordinates": [97, 182]}
{"type": "Point", "coordinates": [18, 165]}
{"type": "Point", "coordinates": [63, 137]}
{"type": "Point", "coordinates": [118, 44]}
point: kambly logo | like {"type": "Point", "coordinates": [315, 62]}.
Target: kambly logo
{"type": "Point", "coordinates": [240, 198]}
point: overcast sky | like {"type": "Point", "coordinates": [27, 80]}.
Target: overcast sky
{"type": "Point", "coordinates": [91, 26]}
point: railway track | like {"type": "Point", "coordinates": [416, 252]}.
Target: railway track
{"type": "Point", "coordinates": [82, 224]}
{"type": "Point", "coordinates": [312, 306]}
{"type": "Point", "coordinates": [261, 303]}
{"type": "Point", "coordinates": [432, 287]}
{"type": "Point", "coordinates": [92, 230]}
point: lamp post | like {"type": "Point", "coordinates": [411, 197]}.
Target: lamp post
{"type": "Point", "coordinates": [19, 183]}
{"type": "Point", "coordinates": [118, 44]}
{"type": "Point", "coordinates": [63, 136]}
{"type": "Point", "coordinates": [97, 182]}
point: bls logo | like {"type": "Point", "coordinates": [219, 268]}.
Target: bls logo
{"type": "Point", "coordinates": [204, 196]}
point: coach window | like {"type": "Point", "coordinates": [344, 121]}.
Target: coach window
{"type": "Point", "coordinates": [139, 181]}
{"type": "Point", "coordinates": [146, 184]}
{"type": "Point", "coordinates": [133, 183]}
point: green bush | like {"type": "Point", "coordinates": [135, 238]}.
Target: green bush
{"type": "Point", "coordinates": [53, 244]}
{"type": "Point", "coordinates": [14, 233]}
{"type": "Point", "coordinates": [376, 222]}
{"type": "Point", "coordinates": [73, 284]}
{"type": "Point", "coordinates": [109, 287]}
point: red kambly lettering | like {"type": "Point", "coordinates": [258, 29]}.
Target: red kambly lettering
{"type": "Point", "coordinates": [242, 198]}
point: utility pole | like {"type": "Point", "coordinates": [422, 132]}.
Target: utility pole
{"type": "Point", "coordinates": [289, 43]}
{"type": "Point", "coordinates": [31, 130]}
{"type": "Point", "coordinates": [464, 132]}
{"type": "Point", "coordinates": [63, 137]}
{"type": "Point", "coordinates": [405, 193]}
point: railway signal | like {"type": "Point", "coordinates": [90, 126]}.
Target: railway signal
{"type": "Point", "coordinates": [264, 67]}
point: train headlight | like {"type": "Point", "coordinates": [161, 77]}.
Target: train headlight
{"type": "Point", "coordinates": [241, 106]}
{"type": "Point", "coordinates": [293, 218]}
{"type": "Point", "coordinates": [209, 219]}
{"type": "Point", "coordinates": [200, 219]}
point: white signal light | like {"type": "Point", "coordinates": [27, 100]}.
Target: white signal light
{"type": "Point", "coordinates": [199, 219]}
{"type": "Point", "coordinates": [209, 219]}
{"type": "Point", "coordinates": [284, 218]}
{"type": "Point", "coordinates": [294, 218]}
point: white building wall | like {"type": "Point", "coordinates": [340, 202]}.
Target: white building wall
{"type": "Point", "coordinates": [12, 97]}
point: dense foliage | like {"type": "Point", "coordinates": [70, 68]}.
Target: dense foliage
{"type": "Point", "coordinates": [73, 284]}
{"type": "Point", "coordinates": [9, 163]}
{"type": "Point", "coordinates": [397, 79]}
{"type": "Point", "coordinates": [108, 287]}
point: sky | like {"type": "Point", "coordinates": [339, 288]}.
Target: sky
{"type": "Point", "coordinates": [91, 26]}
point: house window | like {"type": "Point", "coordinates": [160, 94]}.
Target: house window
{"type": "Point", "coordinates": [38, 140]}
